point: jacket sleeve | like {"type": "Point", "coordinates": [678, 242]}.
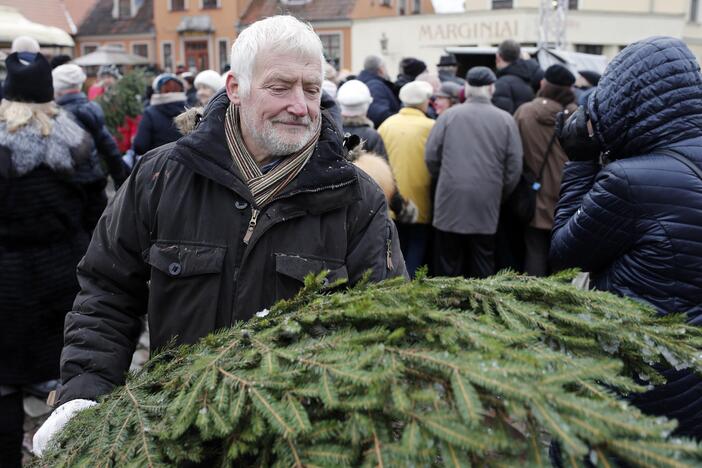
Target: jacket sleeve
{"type": "Point", "coordinates": [101, 331]}
{"type": "Point", "coordinates": [595, 218]}
{"type": "Point", "coordinates": [434, 148]}
{"type": "Point", "coordinates": [382, 106]}
{"type": "Point", "coordinates": [107, 148]}
{"type": "Point", "coordinates": [502, 97]}
{"type": "Point", "coordinates": [373, 243]}
{"type": "Point", "coordinates": [142, 141]}
{"type": "Point", "coordinates": [514, 160]}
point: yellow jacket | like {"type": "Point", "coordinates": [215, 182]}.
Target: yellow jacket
{"type": "Point", "coordinates": [405, 136]}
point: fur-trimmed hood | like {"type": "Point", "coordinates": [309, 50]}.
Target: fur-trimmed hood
{"type": "Point", "coordinates": [65, 147]}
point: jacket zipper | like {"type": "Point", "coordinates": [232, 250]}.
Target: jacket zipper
{"type": "Point", "coordinates": [252, 225]}
{"type": "Point", "coordinates": [388, 252]}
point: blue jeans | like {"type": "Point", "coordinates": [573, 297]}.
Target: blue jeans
{"type": "Point", "coordinates": [413, 243]}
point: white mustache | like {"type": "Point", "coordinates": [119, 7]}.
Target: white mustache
{"type": "Point", "coordinates": [294, 120]}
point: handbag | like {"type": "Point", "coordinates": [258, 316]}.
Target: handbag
{"type": "Point", "coordinates": [521, 203]}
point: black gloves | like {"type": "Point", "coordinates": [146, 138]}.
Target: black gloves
{"type": "Point", "coordinates": [575, 139]}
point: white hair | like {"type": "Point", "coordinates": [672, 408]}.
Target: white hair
{"type": "Point", "coordinates": [480, 91]}
{"type": "Point", "coordinates": [282, 33]}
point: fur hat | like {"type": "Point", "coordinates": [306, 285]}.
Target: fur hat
{"type": "Point", "coordinates": [209, 78]}
{"type": "Point", "coordinates": [559, 75]}
{"type": "Point", "coordinates": [28, 83]}
{"type": "Point", "coordinates": [68, 76]}
{"type": "Point", "coordinates": [415, 93]}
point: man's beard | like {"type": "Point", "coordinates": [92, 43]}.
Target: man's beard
{"type": "Point", "coordinates": [275, 141]}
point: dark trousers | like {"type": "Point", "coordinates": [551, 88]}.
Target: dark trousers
{"type": "Point", "coordinates": [509, 239]}
{"type": "Point", "coordinates": [11, 430]}
{"type": "Point", "coordinates": [469, 255]}
{"type": "Point", "coordinates": [413, 243]}
{"type": "Point", "coordinates": [538, 243]}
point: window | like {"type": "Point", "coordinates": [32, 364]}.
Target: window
{"type": "Point", "coordinates": [332, 48]}
{"type": "Point", "coordinates": [501, 4]}
{"type": "Point", "coordinates": [589, 48]}
{"type": "Point", "coordinates": [223, 46]}
{"type": "Point", "coordinates": [386, 2]}
{"type": "Point", "coordinates": [141, 50]}
{"type": "Point", "coordinates": [167, 56]}
{"type": "Point", "coordinates": [573, 4]}
{"type": "Point", "coordinates": [88, 48]}
{"type": "Point", "coordinates": [694, 10]}
{"type": "Point", "coordinates": [401, 7]}
{"type": "Point", "coordinates": [177, 5]}
{"type": "Point", "coordinates": [124, 9]}
{"type": "Point", "coordinates": [416, 7]}
{"type": "Point", "coordinates": [210, 4]}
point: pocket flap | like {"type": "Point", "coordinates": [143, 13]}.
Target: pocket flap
{"type": "Point", "coordinates": [183, 260]}
{"type": "Point", "coordinates": [297, 267]}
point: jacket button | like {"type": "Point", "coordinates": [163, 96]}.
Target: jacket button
{"type": "Point", "coordinates": [174, 269]}
{"type": "Point", "coordinates": [241, 205]}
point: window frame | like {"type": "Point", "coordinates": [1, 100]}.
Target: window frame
{"type": "Point", "coordinates": [141, 43]}
{"type": "Point", "coordinates": [88, 44]}
{"type": "Point", "coordinates": [163, 55]}
{"type": "Point", "coordinates": [185, 6]}
{"type": "Point", "coordinates": [340, 34]}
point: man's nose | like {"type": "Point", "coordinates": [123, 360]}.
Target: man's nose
{"type": "Point", "coordinates": [298, 103]}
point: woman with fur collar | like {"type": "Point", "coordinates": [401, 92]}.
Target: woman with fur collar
{"type": "Point", "coordinates": [51, 196]}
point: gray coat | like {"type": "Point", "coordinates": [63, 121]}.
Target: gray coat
{"type": "Point", "coordinates": [475, 152]}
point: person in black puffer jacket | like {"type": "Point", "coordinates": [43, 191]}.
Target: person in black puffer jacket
{"type": "Point", "coordinates": [513, 85]}
{"type": "Point", "coordinates": [157, 127]}
{"type": "Point", "coordinates": [47, 198]}
{"type": "Point", "coordinates": [68, 80]}
{"type": "Point", "coordinates": [636, 223]}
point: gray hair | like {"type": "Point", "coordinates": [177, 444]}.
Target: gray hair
{"type": "Point", "coordinates": [282, 33]}
{"type": "Point", "coordinates": [480, 91]}
{"type": "Point", "coordinates": [372, 63]}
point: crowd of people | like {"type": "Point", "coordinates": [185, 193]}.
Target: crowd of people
{"type": "Point", "coordinates": [231, 204]}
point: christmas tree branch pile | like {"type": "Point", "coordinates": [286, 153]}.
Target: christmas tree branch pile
{"type": "Point", "coordinates": [435, 372]}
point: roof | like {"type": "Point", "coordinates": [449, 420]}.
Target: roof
{"type": "Point", "coordinates": [99, 22]}
{"type": "Point", "coordinates": [52, 13]}
{"type": "Point", "coordinates": [79, 9]}
{"type": "Point", "coordinates": [315, 10]}
{"type": "Point", "coordinates": [14, 24]}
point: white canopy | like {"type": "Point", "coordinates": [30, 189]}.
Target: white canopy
{"type": "Point", "coordinates": [13, 24]}
{"type": "Point", "coordinates": [110, 55]}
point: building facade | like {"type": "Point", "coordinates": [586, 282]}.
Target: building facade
{"type": "Point", "coordinates": [124, 24]}
{"type": "Point", "coordinates": [593, 26]}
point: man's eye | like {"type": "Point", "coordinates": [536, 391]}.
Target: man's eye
{"type": "Point", "coordinates": [312, 90]}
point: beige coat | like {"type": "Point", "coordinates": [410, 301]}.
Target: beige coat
{"type": "Point", "coordinates": [536, 121]}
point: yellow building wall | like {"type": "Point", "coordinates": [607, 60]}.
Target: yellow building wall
{"type": "Point", "coordinates": [223, 22]}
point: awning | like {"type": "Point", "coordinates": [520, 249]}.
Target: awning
{"type": "Point", "coordinates": [199, 23]}
{"type": "Point", "coordinates": [13, 25]}
{"type": "Point", "coordinates": [110, 55]}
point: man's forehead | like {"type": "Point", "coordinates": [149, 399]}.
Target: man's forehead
{"type": "Point", "coordinates": [287, 66]}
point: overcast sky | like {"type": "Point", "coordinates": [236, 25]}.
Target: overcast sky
{"type": "Point", "coordinates": [448, 6]}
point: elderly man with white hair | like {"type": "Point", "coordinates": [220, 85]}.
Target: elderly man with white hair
{"type": "Point", "coordinates": [226, 221]}
{"type": "Point", "coordinates": [475, 152]}
{"type": "Point", "coordinates": [68, 83]}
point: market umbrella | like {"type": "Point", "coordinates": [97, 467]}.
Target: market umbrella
{"type": "Point", "coordinates": [110, 55]}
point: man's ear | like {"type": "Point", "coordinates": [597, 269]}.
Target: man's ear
{"type": "Point", "coordinates": [232, 87]}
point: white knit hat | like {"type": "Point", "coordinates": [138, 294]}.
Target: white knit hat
{"type": "Point", "coordinates": [209, 78]}
{"type": "Point", "coordinates": [415, 92]}
{"type": "Point", "coordinates": [25, 44]}
{"type": "Point", "coordinates": [68, 76]}
{"type": "Point", "coordinates": [354, 97]}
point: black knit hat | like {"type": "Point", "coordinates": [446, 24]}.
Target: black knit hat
{"type": "Point", "coordinates": [559, 75]}
{"type": "Point", "coordinates": [413, 67]}
{"type": "Point", "coordinates": [28, 83]}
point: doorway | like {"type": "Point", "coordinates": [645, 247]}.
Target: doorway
{"type": "Point", "coordinates": [196, 55]}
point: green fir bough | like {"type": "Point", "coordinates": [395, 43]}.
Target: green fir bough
{"type": "Point", "coordinates": [437, 372]}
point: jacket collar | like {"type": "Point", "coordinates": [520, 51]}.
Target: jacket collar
{"type": "Point", "coordinates": [412, 111]}
{"type": "Point", "coordinates": [205, 152]}
{"type": "Point", "coordinates": [71, 98]}
{"type": "Point", "coordinates": [478, 99]}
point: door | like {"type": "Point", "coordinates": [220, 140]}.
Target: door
{"type": "Point", "coordinates": [196, 56]}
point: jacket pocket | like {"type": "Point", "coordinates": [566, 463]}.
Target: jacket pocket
{"type": "Point", "coordinates": [292, 269]}
{"type": "Point", "coordinates": [185, 291]}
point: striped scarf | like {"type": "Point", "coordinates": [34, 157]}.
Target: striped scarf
{"type": "Point", "coordinates": [264, 186]}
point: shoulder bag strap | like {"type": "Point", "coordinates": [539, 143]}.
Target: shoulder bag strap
{"type": "Point", "coordinates": [676, 155]}
{"type": "Point", "coordinates": [546, 154]}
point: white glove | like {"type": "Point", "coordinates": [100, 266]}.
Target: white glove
{"type": "Point", "coordinates": [59, 417]}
